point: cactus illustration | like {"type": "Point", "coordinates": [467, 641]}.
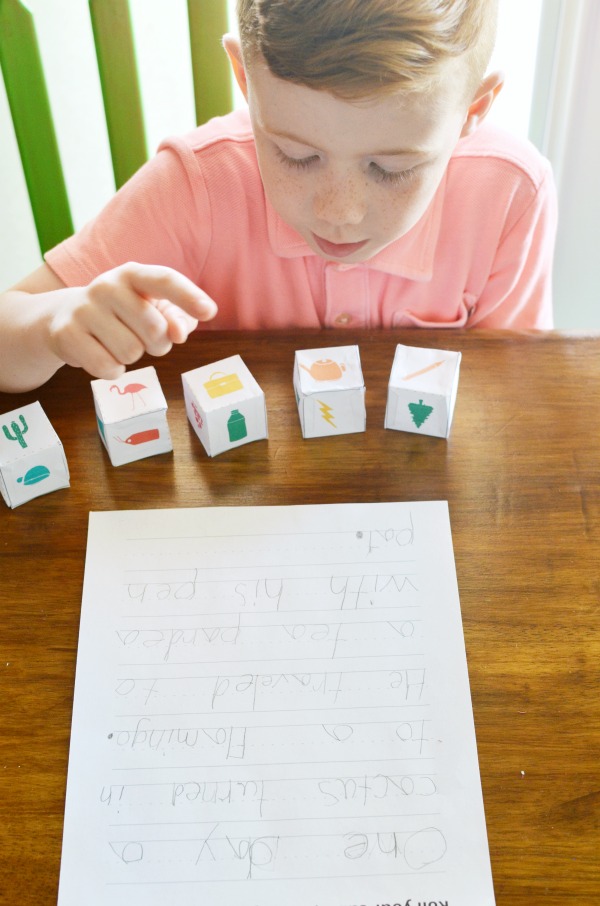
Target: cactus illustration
{"type": "Point", "coordinates": [17, 431]}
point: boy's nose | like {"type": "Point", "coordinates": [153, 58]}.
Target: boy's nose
{"type": "Point", "coordinates": [340, 203]}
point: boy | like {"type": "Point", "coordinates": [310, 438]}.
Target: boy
{"type": "Point", "coordinates": [357, 190]}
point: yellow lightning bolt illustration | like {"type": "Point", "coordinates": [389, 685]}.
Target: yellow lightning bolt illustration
{"type": "Point", "coordinates": [326, 412]}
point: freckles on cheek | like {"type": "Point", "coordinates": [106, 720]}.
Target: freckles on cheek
{"type": "Point", "coordinates": [290, 182]}
{"type": "Point", "coordinates": [286, 191]}
{"type": "Point", "coordinates": [407, 208]}
{"type": "Point", "coordinates": [393, 217]}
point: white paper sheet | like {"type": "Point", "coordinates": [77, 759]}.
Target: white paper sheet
{"type": "Point", "coordinates": [272, 708]}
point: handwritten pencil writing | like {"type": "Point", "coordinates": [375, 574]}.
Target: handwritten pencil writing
{"type": "Point", "coordinates": [275, 712]}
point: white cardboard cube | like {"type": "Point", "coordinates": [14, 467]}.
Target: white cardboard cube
{"type": "Point", "coordinates": [225, 405]}
{"type": "Point", "coordinates": [32, 459]}
{"type": "Point", "coordinates": [132, 416]}
{"type": "Point", "coordinates": [422, 390]}
{"type": "Point", "coordinates": [330, 391]}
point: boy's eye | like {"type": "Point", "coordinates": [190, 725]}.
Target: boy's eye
{"type": "Point", "coordinates": [296, 163]}
{"type": "Point", "coordinates": [392, 177]}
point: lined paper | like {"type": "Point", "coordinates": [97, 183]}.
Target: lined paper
{"type": "Point", "coordinates": [272, 707]}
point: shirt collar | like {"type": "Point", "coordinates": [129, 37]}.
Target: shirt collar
{"type": "Point", "coordinates": [411, 256]}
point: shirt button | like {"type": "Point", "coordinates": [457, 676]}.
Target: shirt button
{"type": "Point", "coordinates": [343, 319]}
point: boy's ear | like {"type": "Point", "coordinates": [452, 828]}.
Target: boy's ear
{"type": "Point", "coordinates": [481, 104]}
{"type": "Point", "coordinates": [234, 52]}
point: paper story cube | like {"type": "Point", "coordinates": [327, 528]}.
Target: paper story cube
{"type": "Point", "coordinates": [32, 459]}
{"type": "Point", "coordinates": [132, 416]}
{"type": "Point", "coordinates": [330, 391]}
{"type": "Point", "coordinates": [225, 405]}
{"type": "Point", "coordinates": [422, 390]}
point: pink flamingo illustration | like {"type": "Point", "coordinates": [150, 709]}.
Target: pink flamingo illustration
{"type": "Point", "coordinates": [133, 389]}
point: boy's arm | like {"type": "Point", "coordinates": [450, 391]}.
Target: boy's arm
{"type": "Point", "coordinates": [101, 327]}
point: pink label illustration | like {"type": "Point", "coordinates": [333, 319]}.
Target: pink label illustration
{"type": "Point", "coordinates": [142, 437]}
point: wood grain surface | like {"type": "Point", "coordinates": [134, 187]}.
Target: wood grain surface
{"type": "Point", "coordinates": [521, 472]}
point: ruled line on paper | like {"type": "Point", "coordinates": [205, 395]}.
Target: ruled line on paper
{"type": "Point", "coordinates": [342, 877]}
{"type": "Point", "coordinates": [265, 764]}
{"type": "Point", "coordinates": [378, 535]}
{"type": "Point", "coordinates": [287, 710]}
{"type": "Point", "coordinates": [202, 614]}
{"type": "Point", "coordinates": [236, 821]}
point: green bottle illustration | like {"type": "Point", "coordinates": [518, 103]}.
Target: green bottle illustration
{"type": "Point", "coordinates": [236, 425]}
{"type": "Point", "coordinates": [17, 431]}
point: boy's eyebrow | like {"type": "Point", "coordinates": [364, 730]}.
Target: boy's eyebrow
{"type": "Point", "coordinates": [290, 135]}
{"type": "Point", "coordinates": [402, 152]}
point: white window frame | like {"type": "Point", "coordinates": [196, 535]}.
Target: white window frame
{"type": "Point", "coordinates": [566, 127]}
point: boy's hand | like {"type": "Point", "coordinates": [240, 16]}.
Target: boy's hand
{"type": "Point", "coordinates": [122, 314]}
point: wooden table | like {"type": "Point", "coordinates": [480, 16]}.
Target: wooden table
{"type": "Point", "coordinates": [521, 472]}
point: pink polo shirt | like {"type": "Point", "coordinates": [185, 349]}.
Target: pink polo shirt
{"type": "Point", "coordinates": [481, 255]}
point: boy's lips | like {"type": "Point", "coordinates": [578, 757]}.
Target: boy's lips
{"type": "Point", "coordinates": [338, 249]}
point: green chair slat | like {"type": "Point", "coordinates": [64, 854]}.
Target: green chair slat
{"type": "Point", "coordinates": [31, 113]}
{"type": "Point", "coordinates": [32, 119]}
{"type": "Point", "coordinates": [113, 37]}
{"type": "Point", "coordinates": [212, 80]}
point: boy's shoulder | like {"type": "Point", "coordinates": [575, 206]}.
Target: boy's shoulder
{"type": "Point", "coordinates": [499, 151]}
{"type": "Point", "coordinates": [218, 156]}
{"type": "Point", "coordinates": [234, 128]}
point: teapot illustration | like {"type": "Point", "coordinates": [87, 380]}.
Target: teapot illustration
{"type": "Point", "coordinates": [325, 370]}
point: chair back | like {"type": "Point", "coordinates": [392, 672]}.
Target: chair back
{"type": "Point", "coordinates": [31, 112]}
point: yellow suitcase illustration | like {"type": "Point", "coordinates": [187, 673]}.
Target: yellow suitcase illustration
{"type": "Point", "coordinates": [220, 384]}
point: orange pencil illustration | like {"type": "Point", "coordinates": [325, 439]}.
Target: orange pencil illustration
{"type": "Point", "coordinates": [409, 377]}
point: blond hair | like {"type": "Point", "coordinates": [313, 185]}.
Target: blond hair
{"type": "Point", "coordinates": [359, 48]}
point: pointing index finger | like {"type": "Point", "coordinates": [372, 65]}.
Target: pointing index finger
{"type": "Point", "coordinates": [158, 282]}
